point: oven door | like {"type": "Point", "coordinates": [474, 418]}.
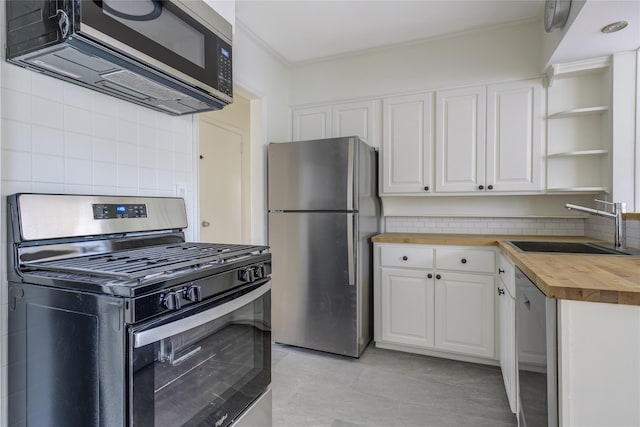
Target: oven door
{"type": "Point", "coordinates": [204, 365]}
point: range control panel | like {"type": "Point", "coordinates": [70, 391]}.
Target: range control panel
{"type": "Point", "coordinates": [115, 211]}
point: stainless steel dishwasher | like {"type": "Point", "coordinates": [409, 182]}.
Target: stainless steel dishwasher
{"type": "Point", "coordinates": [536, 336]}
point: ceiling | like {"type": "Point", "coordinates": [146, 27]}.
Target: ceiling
{"type": "Point", "coordinates": [304, 30]}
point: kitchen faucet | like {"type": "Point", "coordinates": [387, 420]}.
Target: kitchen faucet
{"type": "Point", "coordinates": [618, 209]}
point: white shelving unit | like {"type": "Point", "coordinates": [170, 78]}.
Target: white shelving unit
{"type": "Point", "coordinates": [579, 127]}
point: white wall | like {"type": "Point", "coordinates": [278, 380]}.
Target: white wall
{"type": "Point", "coordinates": [266, 79]}
{"type": "Point", "coordinates": [504, 53]}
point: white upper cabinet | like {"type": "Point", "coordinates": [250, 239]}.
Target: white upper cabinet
{"type": "Point", "coordinates": [312, 123]}
{"type": "Point", "coordinates": [514, 129]}
{"type": "Point", "coordinates": [509, 159]}
{"type": "Point", "coordinates": [360, 118]}
{"type": "Point", "coordinates": [407, 144]}
{"type": "Point", "coordinates": [460, 139]}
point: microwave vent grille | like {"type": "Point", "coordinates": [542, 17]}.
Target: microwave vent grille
{"type": "Point", "coordinates": [141, 84]}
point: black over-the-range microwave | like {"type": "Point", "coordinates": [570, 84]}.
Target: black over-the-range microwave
{"type": "Point", "coordinates": [173, 56]}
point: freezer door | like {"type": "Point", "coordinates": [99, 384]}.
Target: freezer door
{"type": "Point", "coordinates": [315, 281]}
{"type": "Point", "coordinates": [313, 175]}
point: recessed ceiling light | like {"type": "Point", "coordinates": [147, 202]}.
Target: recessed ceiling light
{"type": "Point", "coordinates": [615, 26]}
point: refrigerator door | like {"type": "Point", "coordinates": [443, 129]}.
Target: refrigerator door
{"type": "Point", "coordinates": [315, 277]}
{"type": "Point", "coordinates": [314, 175]}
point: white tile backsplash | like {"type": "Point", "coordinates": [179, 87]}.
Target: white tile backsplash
{"type": "Point", "coordinates": [595, 227]}
{"type": "Point", "coordinates": [103, 126]}
{"type": "Point", "coordinates": [147, 178]}
{"type": "Point", "coordinates": [633, 233]}
{"type": "Point", "coordinates": [47, 113]}
{"type": "Point", "coordinates": [16, 105]}
{"type": "Point", "coordinates": [472, 225]}
{"type": "Point", "coordinates": [76, 146]}
{"type": "Point", "coordinates": [77, 120]}
{"type": "Point", "coordinates": [46, 140]}
{"type": "Point", "coordinates": [127, 131]}
{"type": "Point", "coordinates": [47, 168]}
{"type": "Point", "coordinates": [603, 229]}
{"type": "Point", "coordinates": [46, 87]}
{"type": "Point", "coordinates": [77, 171]}
{"type": "Point", "coordinates": [147, 157]}
{"type": "Point", "coordinates": [15, 78]}
{"type": "Point", "coordinates": [78, 97]}
{"type": "Point", "coordinates": [127, 154]}
{"type": "Point", "coordinates": [104, 150]}
{"type": "Point", "coordinates": [16, 135]}
{"type": "Point", "coordinates": [64, 138]}
{"type": "Point", "coordinates": [16, 165]}
{"type": "Point", "coordinates": [148, 136]}
{"type": "Point", "coordinates": [127, 176]}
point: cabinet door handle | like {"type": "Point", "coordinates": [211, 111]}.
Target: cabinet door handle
{"type": "Point", "coordinates": [429, 276]}
{"type": "Point", "coordinates": [426, 188]}
{"type": "Point", "coordinates": [463, 260]}
{"type": "Point", "coordinates": [438, 276]}
{"type": "Point", "coordinates": [404, 258]}
{"type": "Point", "coordinates": [500, 271]}
{"type": "Point", "coordinates": [480, 187]}
{"type": "Point", "coordinates": [490, 187]}
{"type": "Point", "coordinates": [500, 291]}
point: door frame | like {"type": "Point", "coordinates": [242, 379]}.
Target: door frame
{"type": "Point", "coordinates": [256, 171]}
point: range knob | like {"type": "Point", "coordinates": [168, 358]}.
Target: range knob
{"type": "Point", "coordinates": [259, 271]}
{"type": "Point", "coordinates": [246, 274]}
{"type": "Point", "coordinates": [171, 301]}
{"type": "Point", "coordinates": [193, 293]}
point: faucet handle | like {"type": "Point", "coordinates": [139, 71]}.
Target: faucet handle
{"type": "Point", "coordinates": [604, 202]}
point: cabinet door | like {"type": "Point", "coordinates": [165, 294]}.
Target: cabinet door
{"type": "Point", "coordinates": [464, 312]}
{"type": "Point", "coordinates": [312, 123]}
{"type": "Point", "coordinates": [460, 139]}
{"type": "Point", "coordinates": [406, 307]}
{"type": "Point", "coordinates": [407, 142]}
{"type": "Point", "coordinates": [514, 124]}
{"type": "Point", "coordinates": [358, 118]}
{"type": "Point", "coordinates": [507, 333]}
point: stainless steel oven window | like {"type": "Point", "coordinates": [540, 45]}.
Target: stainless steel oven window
{"type": "Point", "coordinates": [204, 366]}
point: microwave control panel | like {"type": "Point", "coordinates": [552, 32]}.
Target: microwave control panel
{"type": "Point", "coordinates": [225, 71]}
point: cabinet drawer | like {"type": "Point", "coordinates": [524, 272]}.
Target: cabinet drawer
{"type": "Point", "coordinates": [506, 273]}
{"type": "Point", "coordinates": [414, 256]}
{"type": "Point", "coordinates": [461, 259]}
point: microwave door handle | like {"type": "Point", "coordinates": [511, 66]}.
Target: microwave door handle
{"type": "Point", "coordinates": [159, 333]}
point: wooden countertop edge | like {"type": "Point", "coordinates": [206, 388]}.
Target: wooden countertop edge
{"type": "Point", "coordinates": [623, 289]}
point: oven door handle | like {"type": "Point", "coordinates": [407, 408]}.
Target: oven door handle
{"type": "Point", "coordinates": [149, 336]}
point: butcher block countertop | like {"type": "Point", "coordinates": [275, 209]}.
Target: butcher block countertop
{"type": "Point", "coordinates": [597, 278]}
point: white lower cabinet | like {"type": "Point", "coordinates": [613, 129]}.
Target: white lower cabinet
{"type": "Point", "coordinates": [407, 306]}
{"type": "Point", "coordinates": [424, 308]}
{"type": "Point", "coordinates": [464, 313]}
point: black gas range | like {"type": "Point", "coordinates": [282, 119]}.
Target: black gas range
{"type": "Point", "coordinates": [111, 307]}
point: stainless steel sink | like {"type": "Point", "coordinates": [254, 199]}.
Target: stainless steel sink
{"type": "Point", "coordinates": [566, 248]}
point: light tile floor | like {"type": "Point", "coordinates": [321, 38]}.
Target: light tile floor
{"type": "Point", "coordinates": [384, 388]}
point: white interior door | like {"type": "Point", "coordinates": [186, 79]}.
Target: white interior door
{"type": "Point", "coordinates": [224, 177]}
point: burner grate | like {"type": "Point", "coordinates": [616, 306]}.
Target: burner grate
{"type": "Point", "coordinates": [136, 263]}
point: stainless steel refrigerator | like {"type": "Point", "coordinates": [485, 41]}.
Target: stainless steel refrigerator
{"type": "Point", "coordinates": [323, 211]}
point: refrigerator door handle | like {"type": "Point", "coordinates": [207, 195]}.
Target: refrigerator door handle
{"type": "Point", "coordinates": [350, 171]}
{"type": "Point", "coordinates": [351, 263]}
